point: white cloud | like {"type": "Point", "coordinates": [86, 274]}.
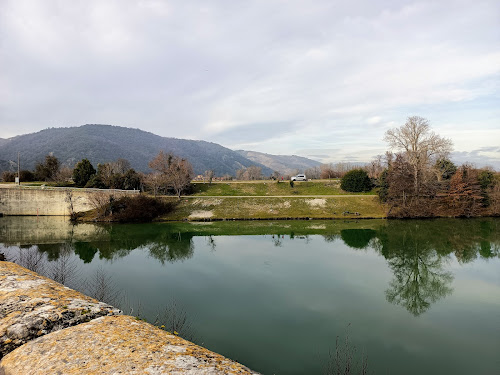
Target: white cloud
{"type": "Point", "coordinates": [284, 76]}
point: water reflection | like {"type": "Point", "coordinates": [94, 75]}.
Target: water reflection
{"type": "Point", "coordinates": [416, 252]}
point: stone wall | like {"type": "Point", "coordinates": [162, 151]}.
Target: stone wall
{"type": "Point", "coordinates": [37, 201]}
{"type": "Point", "coordinates": [47, 328]}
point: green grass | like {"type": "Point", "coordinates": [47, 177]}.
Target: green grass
{"type": "Point", "coordinates": [271, 188]}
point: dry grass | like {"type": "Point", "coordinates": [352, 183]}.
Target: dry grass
{"type": "Point", "coordinates": [197, 208]}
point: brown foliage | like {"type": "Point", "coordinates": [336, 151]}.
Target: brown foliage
{"type": "Point", "coordinates": [464, 194]}
{"type": "Point", "coordinates": [139, 208]}
{"type": "Point", "coordinates": [174, 172]}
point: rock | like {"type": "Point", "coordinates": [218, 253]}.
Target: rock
{"type": "Point", "coordinates": [115, 345]}
{"type": "Point", "coordinates": [33, 306]}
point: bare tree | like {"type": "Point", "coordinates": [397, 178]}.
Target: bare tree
{"type": "Point", "coordinates": [254, 172]}
{"type": "Point", "coordinates": [313, 173]}
{"type": "Point", "coordinates": [209, 175]}
{"type": "Point", "coordinates": [32, 259]}
{"type": "Point", "coordinates": [64, 174]}
{"type": "Point", "coordinates": [180, 175]}
{"type": "Point", "coordinates": [64, 270]}
{"type": "Point", "coordinates": [376, 167]}
{"type": "Point", "coordinates": [420, 145]}
{"type": "Point", "coordinates": [102, 287]}
{"type": "Point", "coordinates": [177, 172]}
{"type": "Point", "coordinates": [154, 182]}
{"type": "Point", "coordinates": [120, 166]}
{"type": "Point", "coordinates": [99, 202]}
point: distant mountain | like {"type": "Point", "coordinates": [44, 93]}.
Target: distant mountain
{"type": "Point", "coordinates": [103, 143]}
{"type": "Point", "coordinates": [3, 141]}
{"type": "Point", "coordinates": [285, 164]}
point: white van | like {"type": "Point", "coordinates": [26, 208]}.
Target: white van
{"type": "Point", "coordinates": [299, 177]}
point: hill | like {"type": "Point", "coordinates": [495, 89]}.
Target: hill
{"type": "Point", "coordinates": [285, 164]}
{"type": "Point", "coordinates": [103, 143]}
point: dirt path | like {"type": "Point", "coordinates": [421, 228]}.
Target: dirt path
{"type": "Point", "coordinates": [277, 196]}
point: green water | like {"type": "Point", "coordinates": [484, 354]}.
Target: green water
{"type": "Point", "coordinates": [413, 297]}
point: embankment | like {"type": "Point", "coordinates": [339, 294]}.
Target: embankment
{"type": "Point", "coordinates": [197, 208]}
{"type": "Point", "coordinates": [47, 328]}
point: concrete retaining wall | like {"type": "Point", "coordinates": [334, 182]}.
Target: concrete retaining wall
{"type": "Point", "coordinates": [51, 201]}
{"type": "Point", "coordinates": [47, 328]}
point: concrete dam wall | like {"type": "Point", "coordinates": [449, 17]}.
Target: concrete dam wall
{"type": "Point", "coordinates": [51, 201]}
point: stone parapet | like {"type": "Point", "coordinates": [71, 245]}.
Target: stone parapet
{"type": "Point", "coordinates": [115, 345]}
{"type": "Point", "coordinates": [32, 306]}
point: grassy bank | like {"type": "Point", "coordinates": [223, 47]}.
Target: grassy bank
{"type": "Point", "coordinates": [247, 208]}
{"type": "Point", "coordinates": [271, 188]}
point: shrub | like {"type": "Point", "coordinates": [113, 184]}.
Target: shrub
{"type": "Point", "coordinates": [356, 180]}
{"type": "Point", "coordinates": [8, 176]}
{"type": "Point", "coordinates": [26, 176]}
{"type": "Point", "coordinates": [138, 208]}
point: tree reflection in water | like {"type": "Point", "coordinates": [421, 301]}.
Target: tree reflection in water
{"type": "Point", "coordinates": [417, 252]}
{"type": "Point", "coordinates": [419, 279]}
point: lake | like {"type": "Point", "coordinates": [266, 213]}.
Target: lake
{"type": "Point", "coordinates": [406, 297]}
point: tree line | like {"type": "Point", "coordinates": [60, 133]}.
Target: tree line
{"type": "Point", "coordinates": [170, 174]}
{"type": "Point", "coordinates": [419, 180]}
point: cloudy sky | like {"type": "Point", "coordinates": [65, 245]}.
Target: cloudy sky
{"type": "Point", "coordinates": [321, 78]}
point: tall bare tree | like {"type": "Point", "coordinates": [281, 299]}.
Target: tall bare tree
{"type": "Point", "coordinates": [176, 172]}
{"type": "Point", "coordinates": [420, 146]}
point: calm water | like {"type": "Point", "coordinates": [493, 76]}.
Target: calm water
{"type": "Point", "coordinates": [416, 297]}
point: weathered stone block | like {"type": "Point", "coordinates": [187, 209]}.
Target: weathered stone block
{"type": "Point", "coordinates": [115, 345]}
{"type": "Point", "coordinates": [32, 306]}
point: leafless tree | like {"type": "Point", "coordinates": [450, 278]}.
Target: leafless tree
{"type": "Point", "coordinates": [176, 172]}
{"type": "Point", "coordinates": [327, 171]}
{"type": "Point", "coordinates": [154, 182]}
{"type": "Point", "coordinates": [251, 173]}
{"type": "Point", "coordinates": [64, 174]}
{"type": "Point", "coordinates": [254, 173]}
{"type": "Point", "coordinates": [240, 174]}
{"type": "Point", "coordinates": [376, 167]}
{"type": "Point", "coordinates": [313, 173]}
{"type": "Point", "coordinates": [420, 145]}
{"type": "Point", "coordinates": [99, 202]}
{"type": "Point", "coordinates": [64, 270]}
{"type": "Point", "coordinates": [102, 288]}
{"type": "Point", "coordinates": [209, 175]}
{"type": "Point", "coordinates": [32, 259]}
{"type": "Point", "coordinates": [120, 166]}
{"type": "Point", "coordinates": [70, 199]}
{"type": "Point", "coordinates": [174, 319]}
{"type": "Point", "coordinates": [344, 360]}
{"type": "Point", "coordinates": [180, 175]}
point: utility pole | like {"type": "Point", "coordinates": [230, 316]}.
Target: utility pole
{"type": "Point", "coordinates": [18, 170]}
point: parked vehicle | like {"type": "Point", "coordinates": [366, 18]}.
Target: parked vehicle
{"type": "Point", "coordinates": [299, 177]}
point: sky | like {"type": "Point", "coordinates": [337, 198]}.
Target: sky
{"type": "Point", "coordinates": [322, 79]}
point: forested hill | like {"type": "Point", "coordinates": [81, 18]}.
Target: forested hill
{"type": "Point", "coordinates": [103, 143]}
{"type": "Point", "coordinates": [285, 164]}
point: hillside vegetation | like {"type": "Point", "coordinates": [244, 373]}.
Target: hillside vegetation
{"type": "Point", "coordinates": [105, 143]}
{"type": "Point", "coordinates": [284, 164]}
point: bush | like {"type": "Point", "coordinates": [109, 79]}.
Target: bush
{"type": "Point", "coordinates": [27, 176]}
{"type": "Point", "coordinates": [355, 181]}
{"type": "Point", "coordinates": [138, 208]}
{"type": "Point", "coordinates": [8, 176]}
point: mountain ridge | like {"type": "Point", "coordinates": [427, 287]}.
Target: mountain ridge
{"type": "Point", "coordinates": [104, 143]}
{"type": "Point", "coordinates": [285, 164]}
